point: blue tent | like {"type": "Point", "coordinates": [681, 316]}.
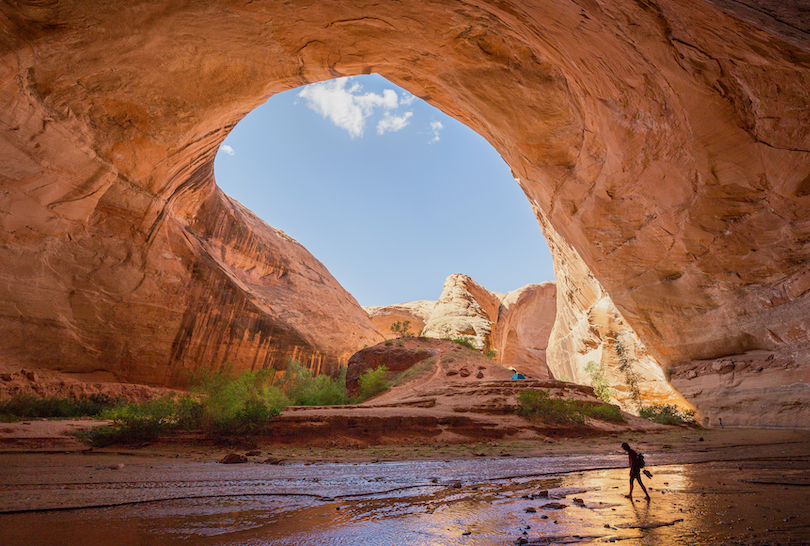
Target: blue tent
{"type": "Point", "coordinates": [518, 375]}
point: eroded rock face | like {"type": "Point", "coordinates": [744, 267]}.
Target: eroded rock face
{"type": "Point", "coordinates": [464, 309]}
{"type": "Point", "coordinates": [667, 142]}
{"type": "Point", "coordinates": [516, 324]}
{"type": "Point", "coordinates": [524, 324]}
{"type": "Point", "coordinates": [590, 329]}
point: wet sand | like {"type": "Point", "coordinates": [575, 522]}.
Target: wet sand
{"type": "Point", "coordinates": [734, 487]}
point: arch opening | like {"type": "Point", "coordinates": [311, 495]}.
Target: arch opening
{"type": "Point", "coordinates": [662, 145]}
{"type": "Point", "coordinates": [390, 193]}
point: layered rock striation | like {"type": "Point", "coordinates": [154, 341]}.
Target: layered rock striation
{"type": "Point", "coordinates": [666, 142]}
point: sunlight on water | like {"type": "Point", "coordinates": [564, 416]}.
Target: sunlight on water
{"type": "Point", "coordinates": [471, 503]}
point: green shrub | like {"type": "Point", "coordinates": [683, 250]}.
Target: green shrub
{"type": "Point", "coordinates": [388, 342]}
{"type": "Point", "coordinates": [668, 415]}
{"type": "Point", "coordinates": [491, 353]}
{"type": "Point", "coordinates": [598, 381]}
{"type": "Point", "coordinates": [302, 389]}
{"type": "Point", "coordinates": [222, 404]}
{"type": "Point", "coordinates": [27, 406]}
{"type": "Point", "coordinates": [465, 341]}
{"type": "Point", "coordinates": [135, 423]}
{"type": "Point", "coordinates": [603, 412]}
{"type": "Point", "coordinates": [537, 404]}
{"type": "Point", "coordinates": [373, 382]}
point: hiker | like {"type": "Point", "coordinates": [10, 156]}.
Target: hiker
{"type": "Point", "coordinates": [636, 464]}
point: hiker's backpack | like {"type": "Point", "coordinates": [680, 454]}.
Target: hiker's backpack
{"type": "Point", "coordinates": [640, 459]}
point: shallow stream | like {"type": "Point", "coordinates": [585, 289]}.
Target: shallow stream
{"type": "Point", "coordinates": [95, 500]}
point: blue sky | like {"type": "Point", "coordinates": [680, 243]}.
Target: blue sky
{"type": "Point", "coordinates": [388, 192]}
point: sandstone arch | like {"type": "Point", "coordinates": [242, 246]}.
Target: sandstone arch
{"type": "Point", "coordinates": [664, 146]}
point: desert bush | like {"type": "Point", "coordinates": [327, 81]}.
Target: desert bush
{"type": "Point", "coordinates": [224, 395]}
{"type": "Point", "coordinates": [135, 423]}
{"type": "Point", "coordinates": [668, 415]}
{"type": "Point", "coordinates": [373, 382]}
{"type": "Point", "coordinates": [465, 341]}
{"type": "Point", "coordinates": [537, 404]}
{"type": "Point", "coordinates": [27, 406]}
{"type": "Point", "coordinates": [402, 329]}
{"type": "Point", "coordinates": [222, 404]}
{"type": "Point", "coordinates": [302, 389]}
{"type": "Point", "coordinates": [491, 353]}
{"type": "Point", "coordinates": [603, 412]}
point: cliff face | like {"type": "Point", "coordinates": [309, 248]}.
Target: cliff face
{"type": "Point", "coordinates": [666, 142]}
{"type": "Point", "coordinates": [516, 324]}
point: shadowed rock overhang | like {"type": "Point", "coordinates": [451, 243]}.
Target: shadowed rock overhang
{"type": "Point", "coordinates": [663, 145]}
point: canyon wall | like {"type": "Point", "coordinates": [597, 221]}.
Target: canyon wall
{"type": "Point", "coordinates": [516, 324]}
{"type": "Point", "coordinates": [666, 142]}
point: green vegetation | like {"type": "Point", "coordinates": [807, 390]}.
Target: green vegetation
{"type": "Point", "coordinates": [373, 382]}
{"type": "Point", "coordinates": [302, 389]}
{"type": "Point", "coordinates": [537, 404]}
{"type": "Point", "coordinates": [625, 366]}
{"type": "Point", "coordinates": [465, 341]}
{"type": "Point", "coordinates": [221, 404]}
{"type": "Point", "coordinates": [389, 342]}
{"type": "Point", "coordinates": [598, 381]}
{"type": "Point", "coordinates": [564, 378]}
{"type": "Point", "coordinates": [668, 415]}
{"type": "Point", "coordinates": [491, 353]}
{"type": "Point", "coordinates": [27, 406]}
{"type": "Point", "coordinates": [402, 329]}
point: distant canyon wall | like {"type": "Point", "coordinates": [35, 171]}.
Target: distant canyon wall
{"type": "Point", "coordinates": [543, 331]}
{"type": "Point", "coordinates": [516, 325]}
{"type": "Point", "coordinates": [667, 143]}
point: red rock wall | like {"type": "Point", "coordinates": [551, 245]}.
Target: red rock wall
{"type": "Point", "coordinates": [666, 141]}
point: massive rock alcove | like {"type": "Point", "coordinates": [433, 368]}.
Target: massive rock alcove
{"type": "Point", "coordinates": [663, 145]}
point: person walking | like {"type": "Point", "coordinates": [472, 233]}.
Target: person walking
{"type": "Point", "coordinates": [636, 464]}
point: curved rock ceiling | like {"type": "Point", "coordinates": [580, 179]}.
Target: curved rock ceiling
{"type": "Point", "coordinates": [664, 145]}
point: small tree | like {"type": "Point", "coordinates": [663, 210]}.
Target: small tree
{"type": "Point", "coordinates": [626, 367]}
{"type": "Point", "coordinates": [598, 381]}
{"type": "Point", "coordinates": [402, 329]}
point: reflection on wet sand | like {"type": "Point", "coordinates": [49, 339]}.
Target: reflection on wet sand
{"type": "Point", "coordinates": [421, 503]}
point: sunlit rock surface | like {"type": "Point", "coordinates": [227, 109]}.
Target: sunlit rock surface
{"type": "Point", "coordinates": [464, 309]}
{"type": "Point", "coordinates": [416, 313]}
{"type": "Point", "coordinates": [516, 324]}
{"type": "Point", "coordinates": [589, 328]}
{"type": "Point", "coordinates": [667, 142]}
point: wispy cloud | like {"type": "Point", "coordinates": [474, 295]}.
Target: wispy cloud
{"type": "Point", "coordinates": [227, 149]}
{"type": "Point", "coordinates": [341, 101]}
{"type": "Point", "coordinates": [393, 123]}
{"type": "Point", "coordinates": [435, 129]}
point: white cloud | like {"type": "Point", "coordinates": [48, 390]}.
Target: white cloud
{"type": "Point", "coordinates": [435, 128]}
{"type": "Point", "coordinates": [347, 108]}
{"type": "Point", "coordinates": [406, 99]}
{"type": "Point", "coordinates": [393, 123]}
{"type": "Point", "coordinates": [227, 149]}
